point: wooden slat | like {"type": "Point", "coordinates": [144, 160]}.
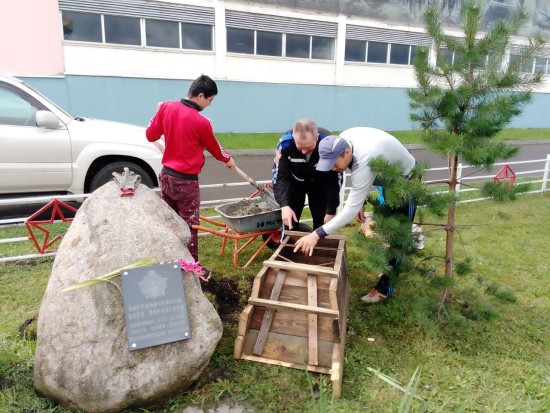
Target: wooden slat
{"type": "Point", "coordinates": [301, 234]}
{"type": "Point", "coordinates": [295, 290]}
{"type": "Point", "coordinates": [288, 349]}
{"type": "Point", "coordinates": [311, 269]}
{"type": "Point", "coordinates": [238, 349]}
{"type": "Point", "coordinates": [315, 369]}
{"type": "Point", "coordinates": [296, 324]}
{"type": "Point", "coordinates": [337, 374]}
{"type": "Point", "coordinates": [340, 255]}
{"type": "Point", "coordinates": [245, 319]}
{"type": "Point", "coordinates": [290, 306]}
{"type": "Point", "coordinates": [294, 279]}
{"type": "Point", "coordinates": [259, 282]}
{"type": "Point", "coordinates": [312, 319]}
{"type": "Point", "coordinates": [268, 315]}
{"type": "Point", "coordinates": [336, 330]}
{"type": "Point", "coordinates": [288, 245]}
{"type": "Point", "coordinates": [333, 294]}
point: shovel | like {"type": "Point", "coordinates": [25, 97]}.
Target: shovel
{"type": "Point", "coordinates": [265, 195]}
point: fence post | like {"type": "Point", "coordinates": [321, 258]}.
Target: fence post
{"type": "Point", "coordinates": [545, 176]}
{"type": "Point", "coordinates": [458, 178]}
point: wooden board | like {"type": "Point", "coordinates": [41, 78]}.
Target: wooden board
{"type": "Point", "coordinates": [294, 324]}
{"type": "Point", "coordinates": [268, 315]}
{"type": "Point", "coordinates": [282, 347]}
{"type": "Point", "coordinates": [312, 320]}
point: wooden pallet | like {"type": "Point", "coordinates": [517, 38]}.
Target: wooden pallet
{"type": "Point", "coordinates": [297, 311]}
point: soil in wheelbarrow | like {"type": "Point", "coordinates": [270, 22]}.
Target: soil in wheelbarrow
{"type": "Point", "coordinates": [241, 209]}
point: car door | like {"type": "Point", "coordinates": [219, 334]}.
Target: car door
{"type": "Point", "coordinates": [32, 158]}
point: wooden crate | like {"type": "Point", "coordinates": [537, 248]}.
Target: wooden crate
{"type": "Point", "coordinates": [296, 314]}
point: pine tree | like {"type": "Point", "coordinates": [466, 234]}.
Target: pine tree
{"type": "Point", "coordinates": [463, 102]}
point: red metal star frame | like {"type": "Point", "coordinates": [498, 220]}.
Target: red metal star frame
{"type": "Point", "coordinates": [57, 214]}
{"type": "Point", "coordinates": [505, 174]}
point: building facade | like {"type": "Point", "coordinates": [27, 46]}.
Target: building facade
{"type": "Point", "coordinates": [343, 63]}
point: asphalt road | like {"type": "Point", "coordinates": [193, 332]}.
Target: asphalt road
{"type": "Point", "coordinates": [257, 164]}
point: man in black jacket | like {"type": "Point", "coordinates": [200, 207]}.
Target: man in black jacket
{"type": "Point", "coordinates": [295, 176]}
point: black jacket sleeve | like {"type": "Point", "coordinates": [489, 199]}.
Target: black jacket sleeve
{"type": "Point", "coordinates": [281, 186]}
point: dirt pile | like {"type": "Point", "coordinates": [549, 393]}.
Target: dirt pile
{"type": "Point", "coordinates": [246, 208]}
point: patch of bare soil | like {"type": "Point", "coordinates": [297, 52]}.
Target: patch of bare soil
{"type": "Point", "coordinates": [227, 297]}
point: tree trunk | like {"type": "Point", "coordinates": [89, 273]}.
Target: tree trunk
{"type": "Point", "coordinates": [450, 228]}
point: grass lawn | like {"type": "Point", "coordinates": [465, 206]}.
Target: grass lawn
{"type": "Point", "coordinates": [269, 140]}
{"type": "Point", "coordinates": [492, 352]}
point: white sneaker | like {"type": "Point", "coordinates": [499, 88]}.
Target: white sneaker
{"type": "Point", "coordinates": [418, 237]}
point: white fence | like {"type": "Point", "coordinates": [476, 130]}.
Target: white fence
{"type": "Point", "coordinates": [466, 174]}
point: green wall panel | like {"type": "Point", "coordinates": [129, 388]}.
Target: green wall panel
{"type": "Point", "coordinates": [251, 106]}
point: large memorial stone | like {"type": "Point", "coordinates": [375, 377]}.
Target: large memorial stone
{"type": "Point", "coordinates": [82, 356]}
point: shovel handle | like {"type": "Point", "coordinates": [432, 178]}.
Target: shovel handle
{"type": "Point", "coordinates": [248, 178]}
{"type": "Point", "coordinates": [264, 194]}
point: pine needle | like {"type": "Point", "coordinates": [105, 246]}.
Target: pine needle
{"type": "Point", "coordinates": [144, 262]}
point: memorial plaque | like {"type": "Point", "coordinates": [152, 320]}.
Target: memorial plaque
{"type": "Point", "coordinates": [154, 306]}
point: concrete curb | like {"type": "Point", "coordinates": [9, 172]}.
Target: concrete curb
{"type": "Point", "coordinates": [412, 146]}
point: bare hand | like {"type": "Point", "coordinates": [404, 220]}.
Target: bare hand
{"type": "Point", "coordinates": [360, 216]}
{"type": "Point", "coordinates": [288, 216]}
{"type": "Point", "coordinates": [307, 244]}
{"type": "Point", "coordinates": [327, 218]}
{"type": "Point", "coordinates": [230, 164]}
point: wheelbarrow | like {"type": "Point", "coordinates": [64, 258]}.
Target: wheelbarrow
{"type": "Point", "coordinates": [246, 220]}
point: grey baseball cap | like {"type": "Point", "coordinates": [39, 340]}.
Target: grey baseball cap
{"type": "Point", "coordinates": [330, 148]}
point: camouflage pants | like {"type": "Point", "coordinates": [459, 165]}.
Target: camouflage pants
{"type": "Point", "coordinates": [183, 196]}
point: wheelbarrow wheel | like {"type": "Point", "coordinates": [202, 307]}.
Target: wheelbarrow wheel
{"type": "Point", "coordinates": [275, 241]}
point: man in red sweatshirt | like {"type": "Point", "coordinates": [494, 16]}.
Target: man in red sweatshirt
{"type": "Point", "coordinates": [187, 134]}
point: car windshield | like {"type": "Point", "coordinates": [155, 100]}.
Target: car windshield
{"type": "Point", "coordinates": [49, 100]}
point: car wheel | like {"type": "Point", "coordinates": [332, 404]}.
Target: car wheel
{"type": "Point", "coordinates": [276, 240]}
{"type": "Point", "coordinates": [105, 174]}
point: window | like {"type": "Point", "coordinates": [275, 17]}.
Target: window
{"type": "Point", "coordinates": [413, 54]}
{"type": "Point", "coordinates": [240, 40]}
{"type": "Point", "coordinates": [356, 50]}
{"type": "Point", "coordinates": [377, 52]}
{"type": "Point", "coordinates": [264, 43]}
{"type": "Point", "coordinates": [447, 56]}
{"type": "Point", "coordinates": [526, 65]}
{"type": "Point", "coordinates": [481, 64]}
{"type": "Point", "coordinates": [541, 65]}
{"type": "Point", "coordinates": [82, 27]}
{"type": "Point", "coordinates": [88, 27]}
{"type": "Point", "coordinates": [399, 54]}
{"type": "Point", "coordinates": [122, 30]}
{"type": "Point", "coordinates": [322, 48]}
{"type": "Point", "coordinates": [297, 45]}
{"type": "Point", "coordinates": [196, 36]}
{"type": "Point", "coordinates": [161, 33]}
{"type": "Point", "coordinates": [14, 110]}
{"type": "Point", "coordinates": [269, 43]}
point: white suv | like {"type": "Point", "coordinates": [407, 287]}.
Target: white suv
{"type": "Point", "coordinates": [45, 149]}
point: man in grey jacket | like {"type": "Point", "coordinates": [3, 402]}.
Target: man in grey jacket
{"type": "Point", "coordinates": [354, 149]}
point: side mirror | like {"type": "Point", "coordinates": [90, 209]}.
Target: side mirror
{"type": "Point", "coordinates": [46, 119]}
